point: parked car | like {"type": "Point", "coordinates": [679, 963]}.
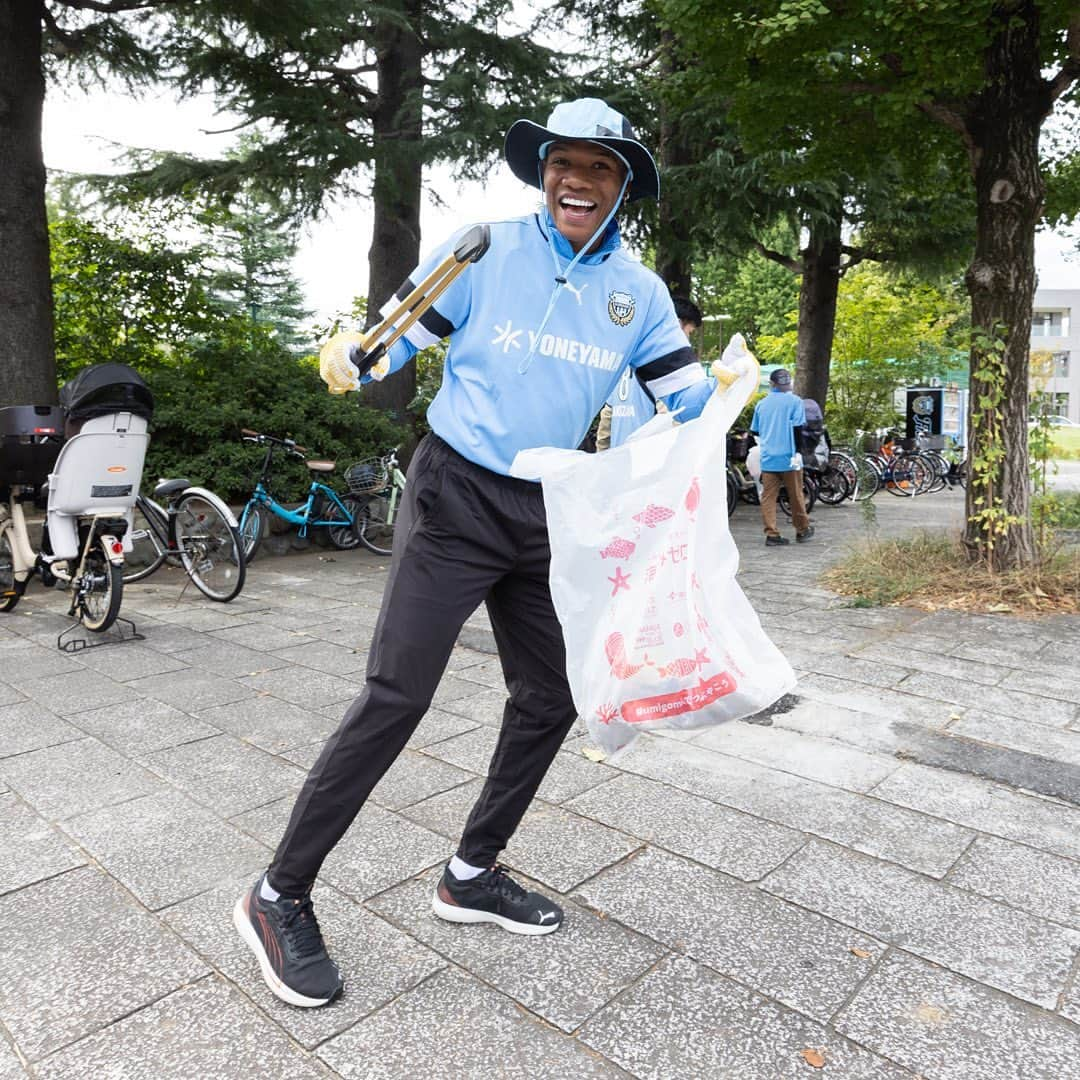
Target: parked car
{"type": "Point", "coordinates": [1055, 421]}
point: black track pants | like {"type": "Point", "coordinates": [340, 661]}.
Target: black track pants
{"type": "Point", "coordinates": [465, 535]}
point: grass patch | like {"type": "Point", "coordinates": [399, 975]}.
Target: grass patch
{"type": "Point", "coordinates": [931, 571]}
{"type": "Point", "coordinates": [1066, 443]}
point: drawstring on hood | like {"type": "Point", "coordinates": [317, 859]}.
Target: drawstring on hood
{"type": "Point", "coordinates": [562, 276]}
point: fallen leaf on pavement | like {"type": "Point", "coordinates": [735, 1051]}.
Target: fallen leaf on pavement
{"type": "Point", "coordinates": [863, 954]}
{"type": "Point", "coordinates": [593, 754]}
{"type": "Point", "coordinates": [813, 1057]}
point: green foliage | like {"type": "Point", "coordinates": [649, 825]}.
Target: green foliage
{"type": "Point", "coordinates": [891, 330]}
{"type": "Point", "coordinates": [213, 388]}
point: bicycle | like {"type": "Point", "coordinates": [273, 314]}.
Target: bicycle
{"type": "Point", "coordinates": [380, 483]}
{"type": "Point", "coordinates": [194, 529]}
{"type": "Point", "coordinates": [324, 507]}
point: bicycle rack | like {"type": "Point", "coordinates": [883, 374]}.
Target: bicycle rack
{"type": "Point", "coordinates": [115, 635]}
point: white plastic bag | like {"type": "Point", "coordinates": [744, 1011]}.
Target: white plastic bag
{"type": "Point", "coordinates": [658, 634]}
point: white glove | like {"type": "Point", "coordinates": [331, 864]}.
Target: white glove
{"type": "Point", "coordinates": [336, 369]}
{"type": "Point", "coordinates": [736, 361]}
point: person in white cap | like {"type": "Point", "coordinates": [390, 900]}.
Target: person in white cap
{"type": "Point", "coordinates": [541, 330]}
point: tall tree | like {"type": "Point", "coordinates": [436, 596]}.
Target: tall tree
{"type": "Point", "coordinates": [351, 98]}
{"type": "Point", "coordinates": [987, 73]}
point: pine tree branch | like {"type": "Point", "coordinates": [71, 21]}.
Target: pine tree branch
{"type": "Point", "coordinates": [111, 7]}
{"type": "Point", "coordinates": [785, 261]}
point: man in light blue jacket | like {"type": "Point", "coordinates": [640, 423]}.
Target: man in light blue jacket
{"type": "Point", "coordinates": [776, 416]}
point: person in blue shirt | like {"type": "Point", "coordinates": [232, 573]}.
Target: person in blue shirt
{"type": "Point", "coordinates": [541, 330]}
{"type": "Point", "coordinates": [631, 405]}
{"type": "Point", "coordinates": [776, 416]}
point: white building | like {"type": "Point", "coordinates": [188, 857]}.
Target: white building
{"type": "Point", "coordinates": [1055, 328]}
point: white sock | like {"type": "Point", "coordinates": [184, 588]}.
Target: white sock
{"type": "Point", "coordinates": [463, 871]}
{"type": "Point", "coordinates": [266, 892]}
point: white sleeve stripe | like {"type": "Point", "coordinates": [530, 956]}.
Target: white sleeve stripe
{"type": "Point", "coordinates": [417, 334]}
{"type": "Point", "coordinates": [688, 375]}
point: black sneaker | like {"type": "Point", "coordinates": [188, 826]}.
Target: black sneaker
{"type": "Point", "coordinates": [284, 934]}
{"type": "Point", "coordinates": [495, 897]}
{"type": "Point", "coordinates": [805, 535]}
{"type": "Point", "coordinates": [776, 541]}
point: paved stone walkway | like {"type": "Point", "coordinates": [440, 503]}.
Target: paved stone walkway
{"type": "Point", "coordinates": [887, 874]}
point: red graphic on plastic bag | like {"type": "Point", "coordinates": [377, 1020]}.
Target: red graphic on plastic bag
{"type": "Point", "coordinates": [643, 710]}
{"type": "Point", "coordinates": [652, 515]}
{"type": "Point", "coordinates": [620, 581]}
{"type": "Point", "coordinates": [606, 713]}
{"type": "Point", "coordinates": [684, 665]}
{"type": "Point", "coordinates": [615, 648]}
{"type": "Point", "coordinates": [693, 497]}
{"type": "Point", "coordinates": [618, 549]}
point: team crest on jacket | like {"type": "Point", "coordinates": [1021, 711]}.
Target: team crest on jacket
{"type": "Point", "coordinates": [620, 307]}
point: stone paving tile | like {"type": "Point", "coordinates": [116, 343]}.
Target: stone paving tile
{"type": "Point", "coordinates": [222, 1036]}
{"type": "Point", "coordinates": [170, 639]}
{"type": "Point", "coordinates": [987, 807]}
{"type": "Point", "coordinates": [905, 652]}
{"type": "Point", "coordinates": [487, 673]}
{"type": "Point", "coordinates": [877, 828]}
{"type": "Point", "coordinates": [1045, 710]}
{"type": "Point", "coordinates": [30, 850]}
{"type": "Point", "coordinates": [945, 1027]}
{"type": "Point", "coordinates": [792, 752]}
{"type": "Point", "coordinates": [10, 1069]}
{"type": "Point", "coordinates": [230, 661]}
{"type": "Point", "coordinates": [437, 726]}
{"type": "Point", "coordinates": [27, 725]}
{"type": "Point", "coordinates": [164, 848]}
{"type": "Point", "coordinates": [1032, 738]}
{"type": "Point", "coordinates": [198, 615]}
{"type": "Point", "coordinates": [302, 686]}
{"type": "Point", "coordinates": [561, 849]}
{"type": "Point", "coordinates": [684, 1020]}
{"type": "Point", "coordinates": [892, 704]}
{"type": "Point", "coordinates": [191, 689]}
{"type": "Point", "coordinates": [142, 726]}
{"type": "Point", "coordinates": [795, 956]}
{"type": "Point", "coordinates": [452, 690]}
{"type": "Point", "coordinates": [79, 954]}
{"type": "Point", "coordinates": [861, 669]}
{"type": "Point", "coordinates": [447, 1028]}
{"type": "Point", "coordinates": [875, 734]}
{"type": "Point", "coordinates": [9, 695]}
{"type": "Point", "coordinates": [61, 781]}
{"type": "Point", "coordinates": [485, 706]}
{"type": "Point", "coordinates": [269, 723]}
{"type": "Point", "coordinates": [447, 812]}
{"type": "Point", "coordinates": [132, 661]}
{"type": "Point", "coordinates": [377, 961]}
{"type": "Point", "coordinates": [262, 635]}
{"type": "Point", "coordinates": [740, 845]}
{"type": "Point", "coordinates": [414, 777]}
{"type": "Point", "coordinates": [1062, 685]}
{"type": "Point", "coordinates": [1008, 949]}
{"type": "Point", "coordinates": [380, 849]}
{"type": "Point", "coordinates": [22, 660]}
{"type": "Point", "coordinates": [226, 775]}
{"type": "Point", "coordinates": [563, 977]}
{"type": "Point", "coordinates": [1043, 884]}
{"type": "Point", "coordinates": [326, 657]}
{"type": "Point", "coordinates": [73, 692]}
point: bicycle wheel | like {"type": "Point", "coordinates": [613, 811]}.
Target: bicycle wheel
{"type": "Point", "coordinates": [148, 551]}
{"type": "Point", "coordinates": [99, 591]}
{"type": "Point", "coordinates": [376, 531]}
{"type": "Point", "coordinates": [903, 477]}
{"type": "Point", "coordinates": [252, 527]}
{"type": "Point", "coordinates": [10, 589]}
{"type": "Point", "coordinates": [344, 533]}
{"type": "Point", "coordinates": [209, 545]}
{"type": "Point", "coordinates": [809, 493]}
{"type": "Point", "coordinates": [869, 478]}
{"type": "Point", "coordinates": [732, 493]}
{"type": "Point", "coordinates": [833, 487]}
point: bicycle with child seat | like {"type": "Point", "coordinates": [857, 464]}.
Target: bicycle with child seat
{"type": "Point", "coordinates": [379, 483]}
{"type": "Point", "coordinates": [195, 530]}
{"type": "Point", "coordinates": [323, 508]}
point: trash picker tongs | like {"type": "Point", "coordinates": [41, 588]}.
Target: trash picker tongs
{"type": "Point", "coordinates": [347, 357]}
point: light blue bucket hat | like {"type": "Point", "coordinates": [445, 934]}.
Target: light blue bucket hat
{"type": "Point", "coordinates": [590, 119]}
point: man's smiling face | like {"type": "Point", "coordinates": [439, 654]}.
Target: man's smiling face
{"type": "Point", "coordinates": [582, 181]}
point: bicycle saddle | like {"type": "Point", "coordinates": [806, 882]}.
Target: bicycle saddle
{"type": "Point", "coordinates": [321, 466]}
{"type": "Point", "coordinates": [165, 488]}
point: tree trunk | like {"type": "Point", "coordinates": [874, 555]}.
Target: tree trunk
{"type": "Point", "coordinates": [27, 360]}
{"type": "Point", "coordinates": [395, 241]}
{"type": "Point", "coordinates": [673, 247]}
{"type": "Point", "coordinates": [1003, 126]}
{"type": "Point", "coordinates": [817, 312]}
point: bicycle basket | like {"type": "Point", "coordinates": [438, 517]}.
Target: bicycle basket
{"type": "Point", "coordinates": [367, 476]}
{"type": "Point", "coordinates": [738, 446]}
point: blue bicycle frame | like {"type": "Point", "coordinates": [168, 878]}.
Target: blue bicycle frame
{"type": "Point", "coordinates": [301, 515]}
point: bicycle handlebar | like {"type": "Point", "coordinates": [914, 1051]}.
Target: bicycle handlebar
{"type": "Point", "coordinates": [288, 444]}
